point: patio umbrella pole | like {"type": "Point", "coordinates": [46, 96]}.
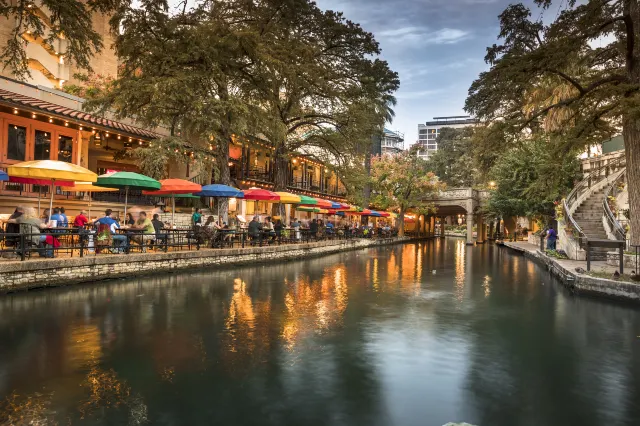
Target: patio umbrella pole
{"type": "Point", "coordinates": [53, 183]}
{"type": "Point", "coordinates": [173, 210]}
{"type": "Point", "coordinates": [39, 195]}
{"type": "Point", "coordinates": [126, 197]}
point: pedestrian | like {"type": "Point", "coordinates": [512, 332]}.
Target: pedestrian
{"type": "Point", "coordinates": [551, 239]}
{"type": "Point", "coordinates": [196, 218]}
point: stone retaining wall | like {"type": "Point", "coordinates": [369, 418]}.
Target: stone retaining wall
{"type": "Point", "coordinates": [38, 273]}
{"type": "Point", "coordinates": [582, 283]}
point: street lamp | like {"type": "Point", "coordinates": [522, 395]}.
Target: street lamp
{"type": "Point", "coordinates": [492, 184]}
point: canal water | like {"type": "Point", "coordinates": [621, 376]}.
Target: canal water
{"type": "Point", "coordinates": [416, 334]}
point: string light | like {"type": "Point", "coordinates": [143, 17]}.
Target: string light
{"type": "Point", "coordinates": [50, 120]}
{"type": "Point", "coordinates": [33, 115]}
{"type": "Point", "coordinates": [15, 111]}
{"type": "Point", "coordinates": [66, 124]}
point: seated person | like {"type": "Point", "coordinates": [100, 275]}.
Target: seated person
{"type": "Point", "coordinates": [255, 228]}
{"type": "Point", "coordinates": [81, 220]}
{"type": "Point", "coordinates": [65, 219]}
{"type": "Point", "coordinates": [120, 241]}
{"type": "Point", "coordinates": [31, 225]}
{"type": "Point", "coordinates": [57, 217]}
{"type": "Point", "coordinates": [143, 224]}
{"type": "Point", "coordinates": [158, 226]}
{"type": "Point", "coordinates": [13, 228]}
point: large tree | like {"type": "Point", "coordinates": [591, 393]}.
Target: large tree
{"type": "Point", "coordinates": [402, 182]}
{"type": "Point", "coordinates": [577, 76]}
{"type": "Point", "coordinates": [317, 76]}
{"type": "Point", "coordinates": [71, 19]}
{"type": "Point", "coordinates": [453, 162]}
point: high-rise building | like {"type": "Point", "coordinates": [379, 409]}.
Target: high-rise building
{"type": "Point", "coordinates": [428, 132]}
{"type": "Point", "coordinates": [392, 142]}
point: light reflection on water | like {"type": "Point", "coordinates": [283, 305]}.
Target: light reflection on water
{"type": "Point", "coordinates": [370, 337]}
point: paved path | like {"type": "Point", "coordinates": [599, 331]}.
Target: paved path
{"type": "Point", "coordinates": [571, 265]}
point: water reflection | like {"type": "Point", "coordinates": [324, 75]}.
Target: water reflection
{"type": "Point", "coordinates": [370, 337]}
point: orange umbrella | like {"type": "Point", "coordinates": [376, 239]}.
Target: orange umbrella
{"type": "Point", "coordinates": [324, 204]}
{"type": "Point", "coordinates": [173, 187]}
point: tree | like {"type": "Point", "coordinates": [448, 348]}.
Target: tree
{"type": "Point", "coordinates": [594, 86]}
{"type": "Point", "coordinates": [530, 179]}
{"type": "Point", "coordinates": [72, 19]}
{"type": "Point", "coordinates": [403, 182]}
{"type": "Point", "coordinates": [318, 79]}
{"type": "Point", "coordinates": [453, 162]}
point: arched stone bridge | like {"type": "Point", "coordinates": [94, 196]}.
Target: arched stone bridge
{"type": "Point", "coordinates": [459, 201]}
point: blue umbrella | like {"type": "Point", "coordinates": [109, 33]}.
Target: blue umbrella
{"type": "Point", "coordinates": [335, 205]}
{"type": "Point", "coordinates": [375, 214]}
{"type": "Point", "coordinates": [3, 176]}
{"type": "Point", "coordinates": [217, 190]}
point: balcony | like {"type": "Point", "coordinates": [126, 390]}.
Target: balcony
{"type": "Point", "coordinates": [49, 64]}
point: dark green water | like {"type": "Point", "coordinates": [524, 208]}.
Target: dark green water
{"type": "Point", "coordinates": [361, 338]}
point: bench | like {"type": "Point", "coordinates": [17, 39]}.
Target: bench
{"type": "Point", "coordinates": [606, 244]}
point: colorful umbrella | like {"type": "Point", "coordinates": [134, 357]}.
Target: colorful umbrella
{"type": "Point", "coordinates": [126, 180]}
{"type": "Point", "coordinates": [308, 209]}
{"type": "Point", "coordinates": [258, 194]}
{"type": "Point", "coordinates": [289, 198]}
{"type": "Point", "coordinates": [375, 213]}
{"type": "Point", "coordinates": [40, 183]}
{"type": "Point", "coordinates": [384, 214]}
{"type": "Point", "coordinates": [324, 204]}
{"type": "Point", "coordinates": [307, 201]}
{"type": "Point", "coordinates": [173, 187]}
{"type": "Point", "coordinates": [51, 170]}
{"type": "Point", "coordinates": [87, 187]}
{"type": "Point", "coordinates": [3, 176]}
{"type": "Point", "coordinates": [217, 190]}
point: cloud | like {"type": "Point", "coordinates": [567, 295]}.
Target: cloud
{"type": "Point", "coordinates": [402, 35]}
{"type": "Point", "coordinates": [447, 36]}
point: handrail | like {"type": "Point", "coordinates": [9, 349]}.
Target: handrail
{"type": "Point", "coordinates": [594, 177]}
{"type": "Point", "coordinates": [618, 231]}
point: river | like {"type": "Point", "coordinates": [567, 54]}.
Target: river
{"type": "Point", "coordinates": [416, 334]}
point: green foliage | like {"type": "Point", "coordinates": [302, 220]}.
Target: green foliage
{"type": "Point", "coordinates": [71, 18]}
{"type": "Point", "coordinates": [530, 178]}
{"type": "Point", "coordinates": [454, 162]}
{"type": "Point", "coordinates": [402, 182]}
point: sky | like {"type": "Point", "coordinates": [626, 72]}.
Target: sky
{"type": "Point", "coordinates": [436, 46]}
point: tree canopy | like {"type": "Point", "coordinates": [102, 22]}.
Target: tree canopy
{"type": "Point", "coordinates": [454, 161]}
{"type": "Point", "coordinates": [402, 181]}
{"type": "Point", "coordinates": [577, 77]}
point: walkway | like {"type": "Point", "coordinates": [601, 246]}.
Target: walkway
{"type": "Point", "coordinates": [571, 265]}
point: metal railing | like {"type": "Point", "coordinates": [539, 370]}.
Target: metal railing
{"type": "Point", "coordinates": [594, 177]}
{"type": "Point", "coordinates": [614, 224]}
{"type": "Point", "coordinates": [83, 242]}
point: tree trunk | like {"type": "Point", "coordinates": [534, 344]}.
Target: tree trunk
{"type": "Point", "coordinates": [224, 176]}
{"type": "Point", "coordinates": [631, 134]}
{"type": "Point", "coordinates": [401, 224]}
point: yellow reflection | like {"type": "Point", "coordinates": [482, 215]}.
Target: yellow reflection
{"type": "Point", "coordinates": [376, 277]}
{"type": "Point", "coordinates": [83, 345]}
{"type": "Point", "coordinates": [459, 269]}
{"type": "Point", "coordinates": [486, 284]}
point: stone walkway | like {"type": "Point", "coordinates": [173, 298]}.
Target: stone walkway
{"type": "Point", "coordinates": [571, 265]}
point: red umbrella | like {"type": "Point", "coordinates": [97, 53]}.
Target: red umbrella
{"type": "Point", "coordinates": [384, 214]}
{"type": "Point", "coordinates": [258, 194]}
{"type": "Point", "coordinates": [40, 183]}
{"type": "Point", "coordinates": [173, 187]}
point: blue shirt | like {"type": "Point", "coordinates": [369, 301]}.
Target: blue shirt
{"type": "Point", "coordinates": [107, 220]}
{"type": "Point", "coordinates": [65, 219]}
{"type": "Point", "coordinates": [58, 218]}
{"type": "Point", "coordinates": [329, 225]}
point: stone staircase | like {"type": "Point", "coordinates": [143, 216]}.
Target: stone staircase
{"type": "Point", "coordinates": [589, 217]}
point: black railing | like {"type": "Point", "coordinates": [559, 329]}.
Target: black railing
{"type": "Point", "coordinates": [594, 177]}
{"type": "Point", "coordinates": [83, 242]}
{"type": "Point", "coordinates": [614, 224]}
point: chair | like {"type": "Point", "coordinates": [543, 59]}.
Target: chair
{"type": "Point", "coordinates": [103, 239]}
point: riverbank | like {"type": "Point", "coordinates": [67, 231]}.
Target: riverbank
{"type": "Point", "coordinates": [565, 270]}
{"type": "Point", "coordinates": [38, 273]}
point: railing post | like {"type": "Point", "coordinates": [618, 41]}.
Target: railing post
{"type": "Point", "coordinates": [588, 256]}
{"type": "Point", "coordinates": [542, 242]}
{"type": "Point", "coordinates": [81, 244]}
{"type": "Point", "coordinates": [22, 246]}
{"type": "Point", "coordinates": [621, 258]}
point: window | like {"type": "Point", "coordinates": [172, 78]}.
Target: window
{"type": "Point", "coordinates": [42, 148]}
{"type": "Point", "coordinates": [65, 148]}
{"type": "Point", "coordinates": [17, 143]}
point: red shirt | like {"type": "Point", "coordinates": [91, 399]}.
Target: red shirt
{"type": "Point", "coordinates": [80, 221]}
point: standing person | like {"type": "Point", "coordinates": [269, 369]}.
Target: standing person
{"type": "Point", "coordinates": [552, 237]}
{"type": "Point", "coordinates": [196, 217]}
{"type": "Point", "coordinates": [296, 228]}
{"type": "Point", "coordinates": [13, 227]}
{"type": "Point", "coordinates": [129, 220]}
{"type": "Point", "coordinates": [81, 220]}
{"type": "Point", "coordinates": [65, 219]}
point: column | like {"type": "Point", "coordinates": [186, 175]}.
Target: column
{"type": "Point", "coordinates": [442, 226]}
{"type": "Point", "coordinates": [470, 241]}
{"type": "Point", "coordinates": [491, 237]}
{"type": "Point", "coordinates": [427, 225]}
{"type": "Point", "coordinates": [480, 227]}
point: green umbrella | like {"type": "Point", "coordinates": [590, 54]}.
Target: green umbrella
{"type": "Point", "coordinates": [307, 201]}
{"type": "Point", "coordinates": [128, 180]}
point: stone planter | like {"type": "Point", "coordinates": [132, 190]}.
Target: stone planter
{"type": "Point", "coordinates": [613, 259]}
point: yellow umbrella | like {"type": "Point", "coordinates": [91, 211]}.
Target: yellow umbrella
{"type": "Point", "coordinates": [87, 187]}
{"type": "Point", "coordinates": [288, 198]}
{"type": "Point", "coordinates": [52, 170]}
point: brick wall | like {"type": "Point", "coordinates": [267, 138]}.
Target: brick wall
{"type": "Point", "coordinates": [38, 273]}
